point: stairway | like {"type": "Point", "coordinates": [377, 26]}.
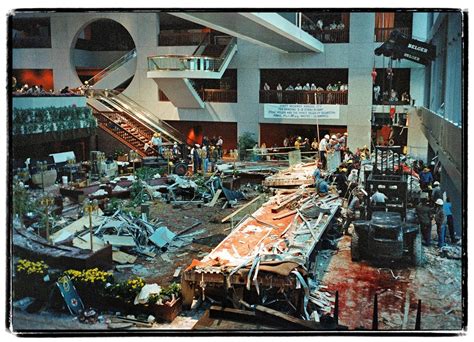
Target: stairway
{"type": "Point", "coordinates": [125, 129]}
{"type": "Point", "coordinates": [130, 123]}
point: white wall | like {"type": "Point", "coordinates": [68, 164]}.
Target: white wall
{"type": "Point", "coordinates": [357, 56]}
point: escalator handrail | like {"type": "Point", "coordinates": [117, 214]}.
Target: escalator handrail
{"type": "Point", "coordinates": [115, 65]}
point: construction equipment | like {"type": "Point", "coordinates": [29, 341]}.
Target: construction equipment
{"type": "Point", "coordinates": [388, 232]}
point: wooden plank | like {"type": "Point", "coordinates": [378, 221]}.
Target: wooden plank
{"type": "Point", "coordinates": [288, 213]}
{"type": "Point", "coordinates": [83, 242]}
{"type": "Point", "coordinates": [240, 209]}
{"type": "Point", "coordinates": [77, 226]}
{"type": "Point", "coordinates": [123, 258]}
{"type": "Point", "coordinates": [287, 320]}
{"type": "Point", "coordinates": [214, 199]}
{"type": "Point", "coordinates": [285, 203]}
{"type": "Point", "coordinates": [119, 241]}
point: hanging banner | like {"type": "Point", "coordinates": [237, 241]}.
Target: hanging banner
{"type": "Point", "coordinates": [300, 111]}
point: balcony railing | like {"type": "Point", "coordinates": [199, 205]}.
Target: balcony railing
{"type": "Point", "coordinates": [382, 34]}
{"type": "Point", "coordinates": [338, 35]}
{"type": "Point", "coordinates": [211, 95]}
{"type": "Point", "coordinates": [218, 95]}
{"type": "Point", "coordinates": [303, 97]}
{"type": "Point", "coordinates": [181, 38]}
{"type": "Point", "coordinates": [190, 63]}
{"type": "Point", "coordinates": [34, 42]}
{"type": "Point", "coordinates": [115, 65]}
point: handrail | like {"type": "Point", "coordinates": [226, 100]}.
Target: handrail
{"type": "Point", "coordinates": [104, 72]}
{"type": "Point", "coordinates": [383, 33]}
{"type": "Point", "coordinates": [137, 112]}
{"type": "Point", "coordinates": [190, 63]}
{"type": "Point", "coordinates": [304, 96]}
{"type": "Point", "coordinates": [206, 39]}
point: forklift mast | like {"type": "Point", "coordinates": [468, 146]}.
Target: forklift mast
{"type": "Point", "coordinates": [387, 176]}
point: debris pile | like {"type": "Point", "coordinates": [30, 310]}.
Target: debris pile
{"type": "Point", "coordinates": [269, 251]}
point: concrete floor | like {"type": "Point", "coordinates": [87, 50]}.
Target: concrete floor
{"type": "Point", "coordinates": [437, 283]}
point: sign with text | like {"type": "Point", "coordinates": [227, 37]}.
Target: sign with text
{"type": "Point", "coordinates": [300, 111]}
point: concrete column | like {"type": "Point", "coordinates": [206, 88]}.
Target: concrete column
{"type": "Point", "coordinates": [420, 25]}
{"type": "Point", "coordinates": [417, 85]}
{"type": "Point", "coordinates": [416, 141]}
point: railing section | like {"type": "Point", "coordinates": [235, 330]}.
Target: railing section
{"type": "Point", "coordinates": [190, 63]}
{"type": "Point", "coordinates": [181, 38]}
{"type": "Point", "coordinates": [338, 35]}
{"type": "Point", "coordinates": [115, 65]}
{"type": "Point", "coordinates": [382, 34]}
{"type": "Point", "coordinates": [303, 97]}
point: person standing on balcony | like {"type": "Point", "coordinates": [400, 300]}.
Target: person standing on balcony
{"type": "Point", "coordinates": [306, 89]}
{"type": "Point", "coordinates": [287, 95]}
{"type": "Point", "coordinates": [299, 89]}
{"type": "Point", "coordinates": [376, 92]}
{"type": "Point", "coordinates": [393, 96]}
{"type": "Point", "coordinates": [330, 95]}
{"type": "Point", "coordinates": [406, 97]}
{"type": "Point", "coordinates": [320, 25]}
{"type": "Point", "coordinates": [266, 89]}
{"type": "Point", "coordinates": [279, 93]}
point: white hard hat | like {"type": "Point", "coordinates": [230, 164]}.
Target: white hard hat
{"type": "Point", "coordinates": [333, 136]}
{"type": "Point", "coordinates": [439, 201]}
{"type": "Point", "coordinates": [197, 145]}
{"type": "Point", "coordinates": [327, 136]}
{"type": "Point", "coordinates": [436, 183]}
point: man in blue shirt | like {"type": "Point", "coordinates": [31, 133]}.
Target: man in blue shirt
{"type": "Point", "coordinates": [426, 178]}
{"type": "Point", "coordinates": [322, 187]}
{"type": "Point", "coordinates": [449, 220]}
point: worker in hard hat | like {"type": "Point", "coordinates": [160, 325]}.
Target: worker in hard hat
{"type": "Point", "coordinates": [298, 143]}
{"type": "Point", "coordinates": [436, 193]}
{"type": "Point", "coordinates": [341, 181]}
{"type": "Point", "coordinates": [440, 219]}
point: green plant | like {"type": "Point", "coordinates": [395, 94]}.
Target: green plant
{"type": "Point", "coordinates": [145, 173]}
{"type": "Point", "coordinates": [37, 120]}
{"type": "Point", "coordinates": [246, 141]}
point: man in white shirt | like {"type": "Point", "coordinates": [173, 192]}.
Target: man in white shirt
{"type": "Point", "coordinates": [378, 198]}
{"type": "Point", "coordinates": [219, 144]}
{"type": "Point", "coordinates": [322, 150]}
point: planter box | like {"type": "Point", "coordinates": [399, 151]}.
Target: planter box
{"type": "Point", "coordinates": [165, 312]}
{"type": "Point", "coordinates": [122, 158]}
{"type": "Point", "coordinates": [31, 286]}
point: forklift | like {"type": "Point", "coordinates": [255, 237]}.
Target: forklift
{"type": "Point", "coordinates": [388, 232]}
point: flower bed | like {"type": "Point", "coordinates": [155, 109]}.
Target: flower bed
{"type": "Point", "coordinates": [100, 290]}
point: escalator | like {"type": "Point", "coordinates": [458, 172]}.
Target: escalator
{"type": "Point", "coordinates": [117, 73]}
{"type": "Point", "coordinates": [130, 123]}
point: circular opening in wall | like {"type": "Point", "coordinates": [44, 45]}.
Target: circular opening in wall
{"type": "Point", "coordinates": [104, 55]}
